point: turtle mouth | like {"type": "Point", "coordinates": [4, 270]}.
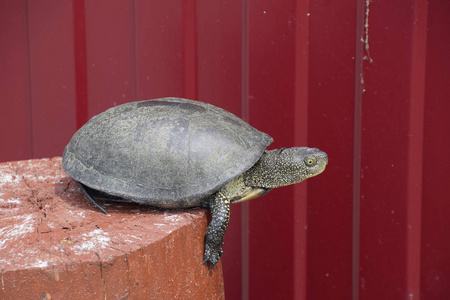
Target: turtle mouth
{"type": "Point", "coordinates": [321, 166]}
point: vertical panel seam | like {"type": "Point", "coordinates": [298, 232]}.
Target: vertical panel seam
{"type": "Point", "coordinates": [359, 89]}
{"type": "Point", "coordinates": [245, 116]}
{"type": "Point", "coordinates": [136, 95]}
{"type": "Point", "coordinates": [190, 49]}
{"type": "Point", "coordinates": [301, 104]}
{"type": "Point", "coordinates": [29, 94]}
{"type": "Point", "coordinates": [80, 62]}
{"type": "Point", "coordinates": [415, 147]}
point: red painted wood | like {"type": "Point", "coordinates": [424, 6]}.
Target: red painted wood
{"type": "Point", "coordinates": [51, 73]}
{"type": "Point", "coordinates": [15, 104]}
{"type": "Point", "coordinates": [435, 258]}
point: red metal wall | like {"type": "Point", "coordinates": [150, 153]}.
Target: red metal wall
{"type": "Point", "coordinates": [365, 81]}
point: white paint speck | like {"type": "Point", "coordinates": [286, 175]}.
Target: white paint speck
{"type": "Point", "coordinates": [10, 201]}
{"type": "Point", "coordinates": [81, 214]}
{"type": "Point", "coordinates": [8, 178]}
{"type": "Point", "coordinates": [39, 264]}
{"type": "Point", "coordinates": [24, 225]}
{"type": "Point", "coordinates": [173, 218]}
{"type": "Point", "coordinates": [132, 236]}
{"type": "Point", "coordinates": [93, 241]}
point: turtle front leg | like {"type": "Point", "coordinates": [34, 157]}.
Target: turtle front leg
{"type": "Point", "coordinates": [220, 211]}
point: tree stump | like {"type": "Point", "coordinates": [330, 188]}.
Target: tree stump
{"type": "Point", "coordinates": [54, 244]}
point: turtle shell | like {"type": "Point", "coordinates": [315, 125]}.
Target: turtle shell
{"type": "Point", "coordinates": [167, 152]}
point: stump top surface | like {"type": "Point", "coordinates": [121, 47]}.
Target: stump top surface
{"type": "Point", "coordinates": [45, 220]}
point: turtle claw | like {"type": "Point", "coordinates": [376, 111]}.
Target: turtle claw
{"type": "Point", "coordinates": [212, 254]}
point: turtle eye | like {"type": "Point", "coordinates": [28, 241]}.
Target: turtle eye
{"type": "Point", "coordinates": [310, 161]}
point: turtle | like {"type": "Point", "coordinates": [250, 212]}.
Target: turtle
{"type": "Point", "coordinates": [175, 153]}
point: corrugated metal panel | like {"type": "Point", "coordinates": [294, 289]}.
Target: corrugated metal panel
{"type": "Point", "coordinates": [15, 103]}
{"type": "Point", "coordinates": [366, 81]}
{"type": "Point", "coordinates": [435, 247]}
{"type": "Point", "coordinates": [391, 150]}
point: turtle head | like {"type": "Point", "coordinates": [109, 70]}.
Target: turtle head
{"type": "Point", "coordinates": [285, 166]}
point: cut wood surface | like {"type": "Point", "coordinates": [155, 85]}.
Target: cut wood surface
{"type": "Point", "coordinates": [54, 244]}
